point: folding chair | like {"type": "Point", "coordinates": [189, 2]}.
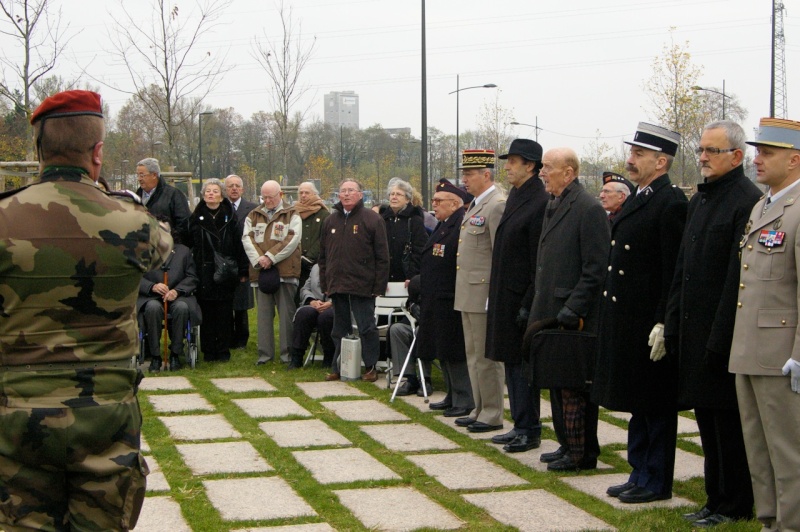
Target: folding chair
{"type": "Point", "coordinates": [413, 323]}
{"type": "Point", "coordinates": [311, 355]}
{"type": "Point", "coordinates": [388, 308]}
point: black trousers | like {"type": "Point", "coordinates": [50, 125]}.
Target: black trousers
{"type": "Point", "coordinates": [525, 401]}
{"type": "Point", "coordinates": [306, 319]}
{"type": "Point", "coordinates": [215, 333]}
{"type": "Point", "coordinates": [651, 450]}
{"type": "Point", "coordinates": [241, 329]}
{"type": "Point", "coordinates": [727, 476]}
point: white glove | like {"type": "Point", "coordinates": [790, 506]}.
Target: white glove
{"type": "Point", "coordinates": [794, 367]}
{"type": "Point", "coordinates": [656, 341]}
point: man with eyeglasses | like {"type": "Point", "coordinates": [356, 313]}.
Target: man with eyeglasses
{"type": "Point", "coordinates": [632, 374]}
{"type": "Point", "coordinates": [616, 190]}
{"type": "Point", "coordinates": [271, 239]}
{"type": "Point", "coordinates": [765, 352]}
{"type": "Point", "coordinates": [243, 297]}
{"type": "Point", "coordinates": [354, 269]}
{"type": "Point", "coordinates": [162, 199]}
{"type": "Point", "coordinates": [700, 316]}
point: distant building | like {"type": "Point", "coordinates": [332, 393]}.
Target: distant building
{"type": "Point", "coordinates": [341, 109]}
{"type": "Point", "coordinates": [395, 132]}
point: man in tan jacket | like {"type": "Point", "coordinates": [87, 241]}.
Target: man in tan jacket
{"type": "Point", "coordinates": [766, 352]}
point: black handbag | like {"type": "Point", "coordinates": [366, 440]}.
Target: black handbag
{"type": "Point", "coordinates": [407, 250]}
{"type": "Point", "coordinates": [226, 270]}
{"type": "Point", "coordinates": [562, 359]}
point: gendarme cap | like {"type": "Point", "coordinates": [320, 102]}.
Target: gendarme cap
{"type": "Point", "coordinates": [655, 138]}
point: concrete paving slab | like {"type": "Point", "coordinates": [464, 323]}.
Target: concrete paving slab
{"type": "Point", "coordinates": [319, 390]}
{"type": "Point", "coordinates": [156, 481]}
{"type": "Point", "coordinates": [408, 437]}
{"type": "Point", "coordinates": [545, 410]}
{"type": "Point", "coordinates": [151, 382]}
{"type": "Point", "coordinates": [419, 402]}
{"type": "Point", "coordinates": [687, 426]}
{"type": "Point", "coordinates": [461, 471]}
{"type": "Point", "coordinates": [687, 465]}
{"type": "Point", "coordinates": [271, 407]}
{"type": "Point", "coordinates": [179, 402]}
{"type": "Point", "coordinates": [596, 486]}
{"type": "Point", "coordinates": [143, 445]}
{"type": "Point", "coordinates": [343, 465]}
{"type": "Point", "coordinates": [243, 499]}
{"type": "Point", "coordinates": [367, 410]}
{"type": "Point", "coordinates": [408, 509]}
{"type": "Point", "coordinates": [624, 416]}
{"type": "Point", "coordinates": [608, 433]}
{"type": "Point", "coordinates": [160, 514]}
{"type": "Point", "coordinates": [309, 527]}
{"type": "Point", "coordinates": [194, 428]}
{"type": "Point", "coordinates": [536, 511]}
{"type": "Point", "coordinates": [222, 457]}
{"type": "Point", "coordinates": [302, 433]}
{"type": "Point", "coordinates": [243, 384]}
{"type": "Point", "coordinates": [531, 458]}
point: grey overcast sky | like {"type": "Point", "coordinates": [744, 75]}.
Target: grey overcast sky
{"type": "Point", "coordinates": [579, 65]}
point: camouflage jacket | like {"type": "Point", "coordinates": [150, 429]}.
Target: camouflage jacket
{"type": "Point", "coordinates": [71, 258]}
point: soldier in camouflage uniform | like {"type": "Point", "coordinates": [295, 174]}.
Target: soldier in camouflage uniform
{"type": "Point", "coordinates": [71, 257]}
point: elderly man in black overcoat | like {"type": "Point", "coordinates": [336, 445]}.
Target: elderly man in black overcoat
{"type": "Point", "coordinates": [511, 288]}
{"type": "Point", "coordinates": [441, 334]}
{"type": "Point", "coordinates": [632, 374]}
{"type": "Point", "coordinates": [243, 299]}
{"type": "Point", "coordinates": [570, 268]}
{"type": "Point", "coordinates": [700, 317]}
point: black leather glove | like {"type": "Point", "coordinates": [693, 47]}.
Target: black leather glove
{"type": "Point", "coordinates": [415, 311]}
{"type": "Point", "coordinates": [716, 361]}
{"type": "Point", "coordinates": [568, 319]}
{"type": "Point", "coordinates": [522, 318]}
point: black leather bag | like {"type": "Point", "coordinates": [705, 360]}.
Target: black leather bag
{"type": "Point", "coordinates": [562, 359]}
{"type": "Point", "coordinates": [226, 270]}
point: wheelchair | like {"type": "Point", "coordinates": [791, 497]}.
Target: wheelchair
{"type": "Point", "coordinates": [190, 344]}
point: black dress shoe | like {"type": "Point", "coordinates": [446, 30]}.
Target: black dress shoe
{"type": "Point", "coordinates": [406, 388]}
{"type": "Point", "coordinates": [441, 405]}
{"type": "Point", "coordinates": [464, 421]}
{"type": "Point", "coordinates": [456, 412]}
{"type": "Point", "coordinates": [503, 439]}
{"type": "Point", "coordinates": [713, 520]}
{"type": "Point", "coordinates": [155, 365]}
{"type": "Point", "coordinates": [552, 457]}
{"type": "Point", "coordinates": [428, 388]}
{"type": "Point", "coordinates": [522, 443]}
{"type": "Point", "coordinates": [565, 463]}
{"type": "Point", "coordinates": [702, 513]}
{"type": "Point", "coordinates": [640, 495]}
{"type": "Point", "coordinates": [614, 491]}
{"type": "Point", "coordinates": [480, 426]}
{"type": "Point", "coordinates": [175, 363]}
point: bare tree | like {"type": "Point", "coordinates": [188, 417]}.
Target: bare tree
{"type": "Point", "coordinates": [284, 62]}
{"type": "Point", "coordinates": [166, 62]}
{"type": "Point", "coordinates": [494, 126]}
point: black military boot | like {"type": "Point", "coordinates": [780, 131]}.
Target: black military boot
{"type": "Point", "coordinates": [296, 360]}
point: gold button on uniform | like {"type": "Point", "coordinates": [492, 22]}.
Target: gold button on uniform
{"type": "Point", "coordinates": [783, 322]}
{"type": "Point", "coordinates": [458, 267]}
{"type": "Point", "coordinates": [741, 286]}
{"type": "Point", "coordinates": [750, 247]}
{"type": "Point", "coordinates": [745, 267]}
{"type": "Point", "coordinates": [739, 304]}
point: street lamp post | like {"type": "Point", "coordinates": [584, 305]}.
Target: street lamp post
{"type": "Point", "coordinates": [699, 88]}
{"type": "Point", "coordinates": [459, 89]}
{"type": "Point", "coordinates": [200, 140]}
{"type": "Point", "coordinates": [535, 127]}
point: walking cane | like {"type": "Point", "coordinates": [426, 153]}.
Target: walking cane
{"type": "Point", "coordinates": [165, 336]}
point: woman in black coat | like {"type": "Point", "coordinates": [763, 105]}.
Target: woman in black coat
{"type": "Point", "coordinates": [405, 227]}
{"type": "Point", "coordinates": [212, 227]}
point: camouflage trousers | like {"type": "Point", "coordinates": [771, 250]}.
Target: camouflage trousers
{"type": "Point", "coordinates": [71, 468]}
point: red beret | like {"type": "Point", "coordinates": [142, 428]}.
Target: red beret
{"type": "Point", "coordinates": [69, 103]}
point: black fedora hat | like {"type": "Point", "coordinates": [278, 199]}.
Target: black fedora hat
{"type": "Point", "coordinates": [528, 149]}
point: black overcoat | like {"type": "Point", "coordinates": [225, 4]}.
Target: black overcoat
{"type": "Point", "coordinates": [243, 296]}
{"type": "Point", "coordinates": [220, 234]}
{"type": "Point", "coordinates": [441, 334]}
{"type": "Point", "coordinates": [168, 201]}
{"type": "Point", "coordinates": [511, 284]}
{"type": "Point", "coordinates": [181, 277]}
{"type": "Point", "coordinates": [571, 261]}
{"type": "Point", "coordinates": [402, 227]}
{"type": "Point", "coordinates": [645, 237]}
{"type": "Point", "coordinates": [702, 303]}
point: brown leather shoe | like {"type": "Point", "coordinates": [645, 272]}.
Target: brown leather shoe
{"type": "Point", "coordinates": [371, 375]}
{"type": "Point", "coordinates": [332, 377]}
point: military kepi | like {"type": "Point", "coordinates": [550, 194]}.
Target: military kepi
{"type": "Point", "coordinates": [778, 133]}
{"type": "Point", "coordinates": [655, 138]}
{"type": "Point", "coordinates": [446, 186]}
{"type": "Point", "coordinates": [528, 149]}
{"type": "Point", "coordinates": [477, 159]}
{"type": "Point", "coordinates": [69, 103]}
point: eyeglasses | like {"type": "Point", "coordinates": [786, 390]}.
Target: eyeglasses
{"type": "Point", "coordinates": [143, 175]}
{"type": "Point", "coordinates": [348, 191]}
{"type": "Point", "coordinates": [712, 151]}
{"type": "Point", "coordinates": [437, 201]}
{"type": "Point", "coordinates": [233, 185]}
{"type": "Point", "coordinates": [270, 197]}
